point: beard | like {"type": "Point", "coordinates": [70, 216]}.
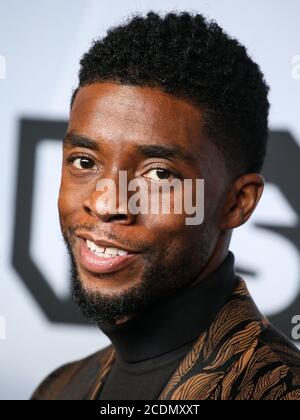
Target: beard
{"type": "Point", "coordinates": [164, 273]}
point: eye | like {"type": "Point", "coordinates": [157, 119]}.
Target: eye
{"type": "Point", "coordinates": [159, 174]}
{"type": "Point", "coordinates": [83, 163]}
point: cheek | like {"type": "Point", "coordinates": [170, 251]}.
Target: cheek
{"type": "Point", "coordinates": [70, 200]}
{"type": "Point", "coordinates": [165, 211]}
{"type": "Point", "coordinates": [170, 231]}
{"type": "Point", "coordinates": [164, 223]}
{"type": "Point", "coordinates": [170, 228]}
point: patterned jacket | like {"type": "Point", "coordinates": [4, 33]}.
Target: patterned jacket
{"type": "Point", "coordinates": [240, 357]}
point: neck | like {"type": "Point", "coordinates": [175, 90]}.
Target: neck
{"type": "Point", "coordinates": [217, 257]}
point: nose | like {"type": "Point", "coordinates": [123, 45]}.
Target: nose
{"type": "Point", "coordinates": [108, 204]}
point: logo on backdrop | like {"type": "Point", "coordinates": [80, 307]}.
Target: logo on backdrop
{"type": "Point", "coordinates": [281, 169]}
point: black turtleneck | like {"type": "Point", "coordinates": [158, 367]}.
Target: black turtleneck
{"type": "Point", "coordinates": [149, 347]}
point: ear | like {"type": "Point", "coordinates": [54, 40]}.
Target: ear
{"type": "Point", "coordinates": [241, 200]}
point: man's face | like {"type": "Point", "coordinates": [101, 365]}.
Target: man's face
{"type": "Point", "coordinates": [152, 136]}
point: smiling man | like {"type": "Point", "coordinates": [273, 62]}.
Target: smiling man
{"type": "Point", "coordinates": [163, 99]}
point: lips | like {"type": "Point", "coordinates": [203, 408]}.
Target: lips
{"type": "Point", "coordinates": [97, 258]}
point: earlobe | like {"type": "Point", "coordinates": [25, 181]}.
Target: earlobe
{"type": "Point", "coordinates": [242, 200]}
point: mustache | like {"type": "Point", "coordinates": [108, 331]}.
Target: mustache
{"type": "Point", "coordinates": [69, 232]}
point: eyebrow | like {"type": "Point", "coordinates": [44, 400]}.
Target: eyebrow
{"type": "Point", "coordinates": [163, 151]}
{"type": "Point", "coordinates": [147, 150]}
{"type": "Point", "coordinates": [78, 140]}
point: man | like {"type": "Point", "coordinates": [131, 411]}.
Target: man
{"type": "Point", "coordinates": [163, 99]}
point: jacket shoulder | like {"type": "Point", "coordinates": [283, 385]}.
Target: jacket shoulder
{"type": "Point", "coordinates": [72, 380]}
{"type": "Point", "coordinates": [284, 358]}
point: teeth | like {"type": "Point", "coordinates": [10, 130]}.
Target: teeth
{"type": "Point", "coordinates": [122, 252]}
{"type": "Point", "coordinates": [93, 247]}
{"type": "Point", "coordinates": [103, 252]}
{"type": "Point", "coordinates": [111, 251]}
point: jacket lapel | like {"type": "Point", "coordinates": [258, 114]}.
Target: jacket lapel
{"type": "Point", "coordinates": [106, 364]}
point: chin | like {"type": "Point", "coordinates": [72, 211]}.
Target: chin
{"type": "Point", "coordinates": [116, 282]}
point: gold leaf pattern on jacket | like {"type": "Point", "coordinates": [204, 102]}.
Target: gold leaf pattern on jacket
{"type": "Point", "coordinates": [245, 393]}
{"type": "Point", "coordinates": [198, 387]}
{"type": "Point", "coordinates": [233, 314]}
{"type": "Point", "coordinates": [236, 344]}
{"type": "Point", "coordinates": [235, 371]}
{"type": "Point", "coordinates": [260, 358]}
{"type": "Point", "coordinates": [276, 392]}
{"type": "Point", "coordinates": [293, 395]}
{"type": "Point", "coordinates": [268, 380]}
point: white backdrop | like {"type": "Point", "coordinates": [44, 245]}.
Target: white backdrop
{"type": "Point", "coordinates": [40, 47]}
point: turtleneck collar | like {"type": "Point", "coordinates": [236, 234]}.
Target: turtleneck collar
{"type": "Point", "coordinates": [175, 321]}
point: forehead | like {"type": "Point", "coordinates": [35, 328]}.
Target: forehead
{"type": "Point", "coordinates": [116, 112]}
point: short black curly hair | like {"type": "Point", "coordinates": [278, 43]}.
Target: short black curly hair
{"type": "Point", "coordinates": [192, 58]}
